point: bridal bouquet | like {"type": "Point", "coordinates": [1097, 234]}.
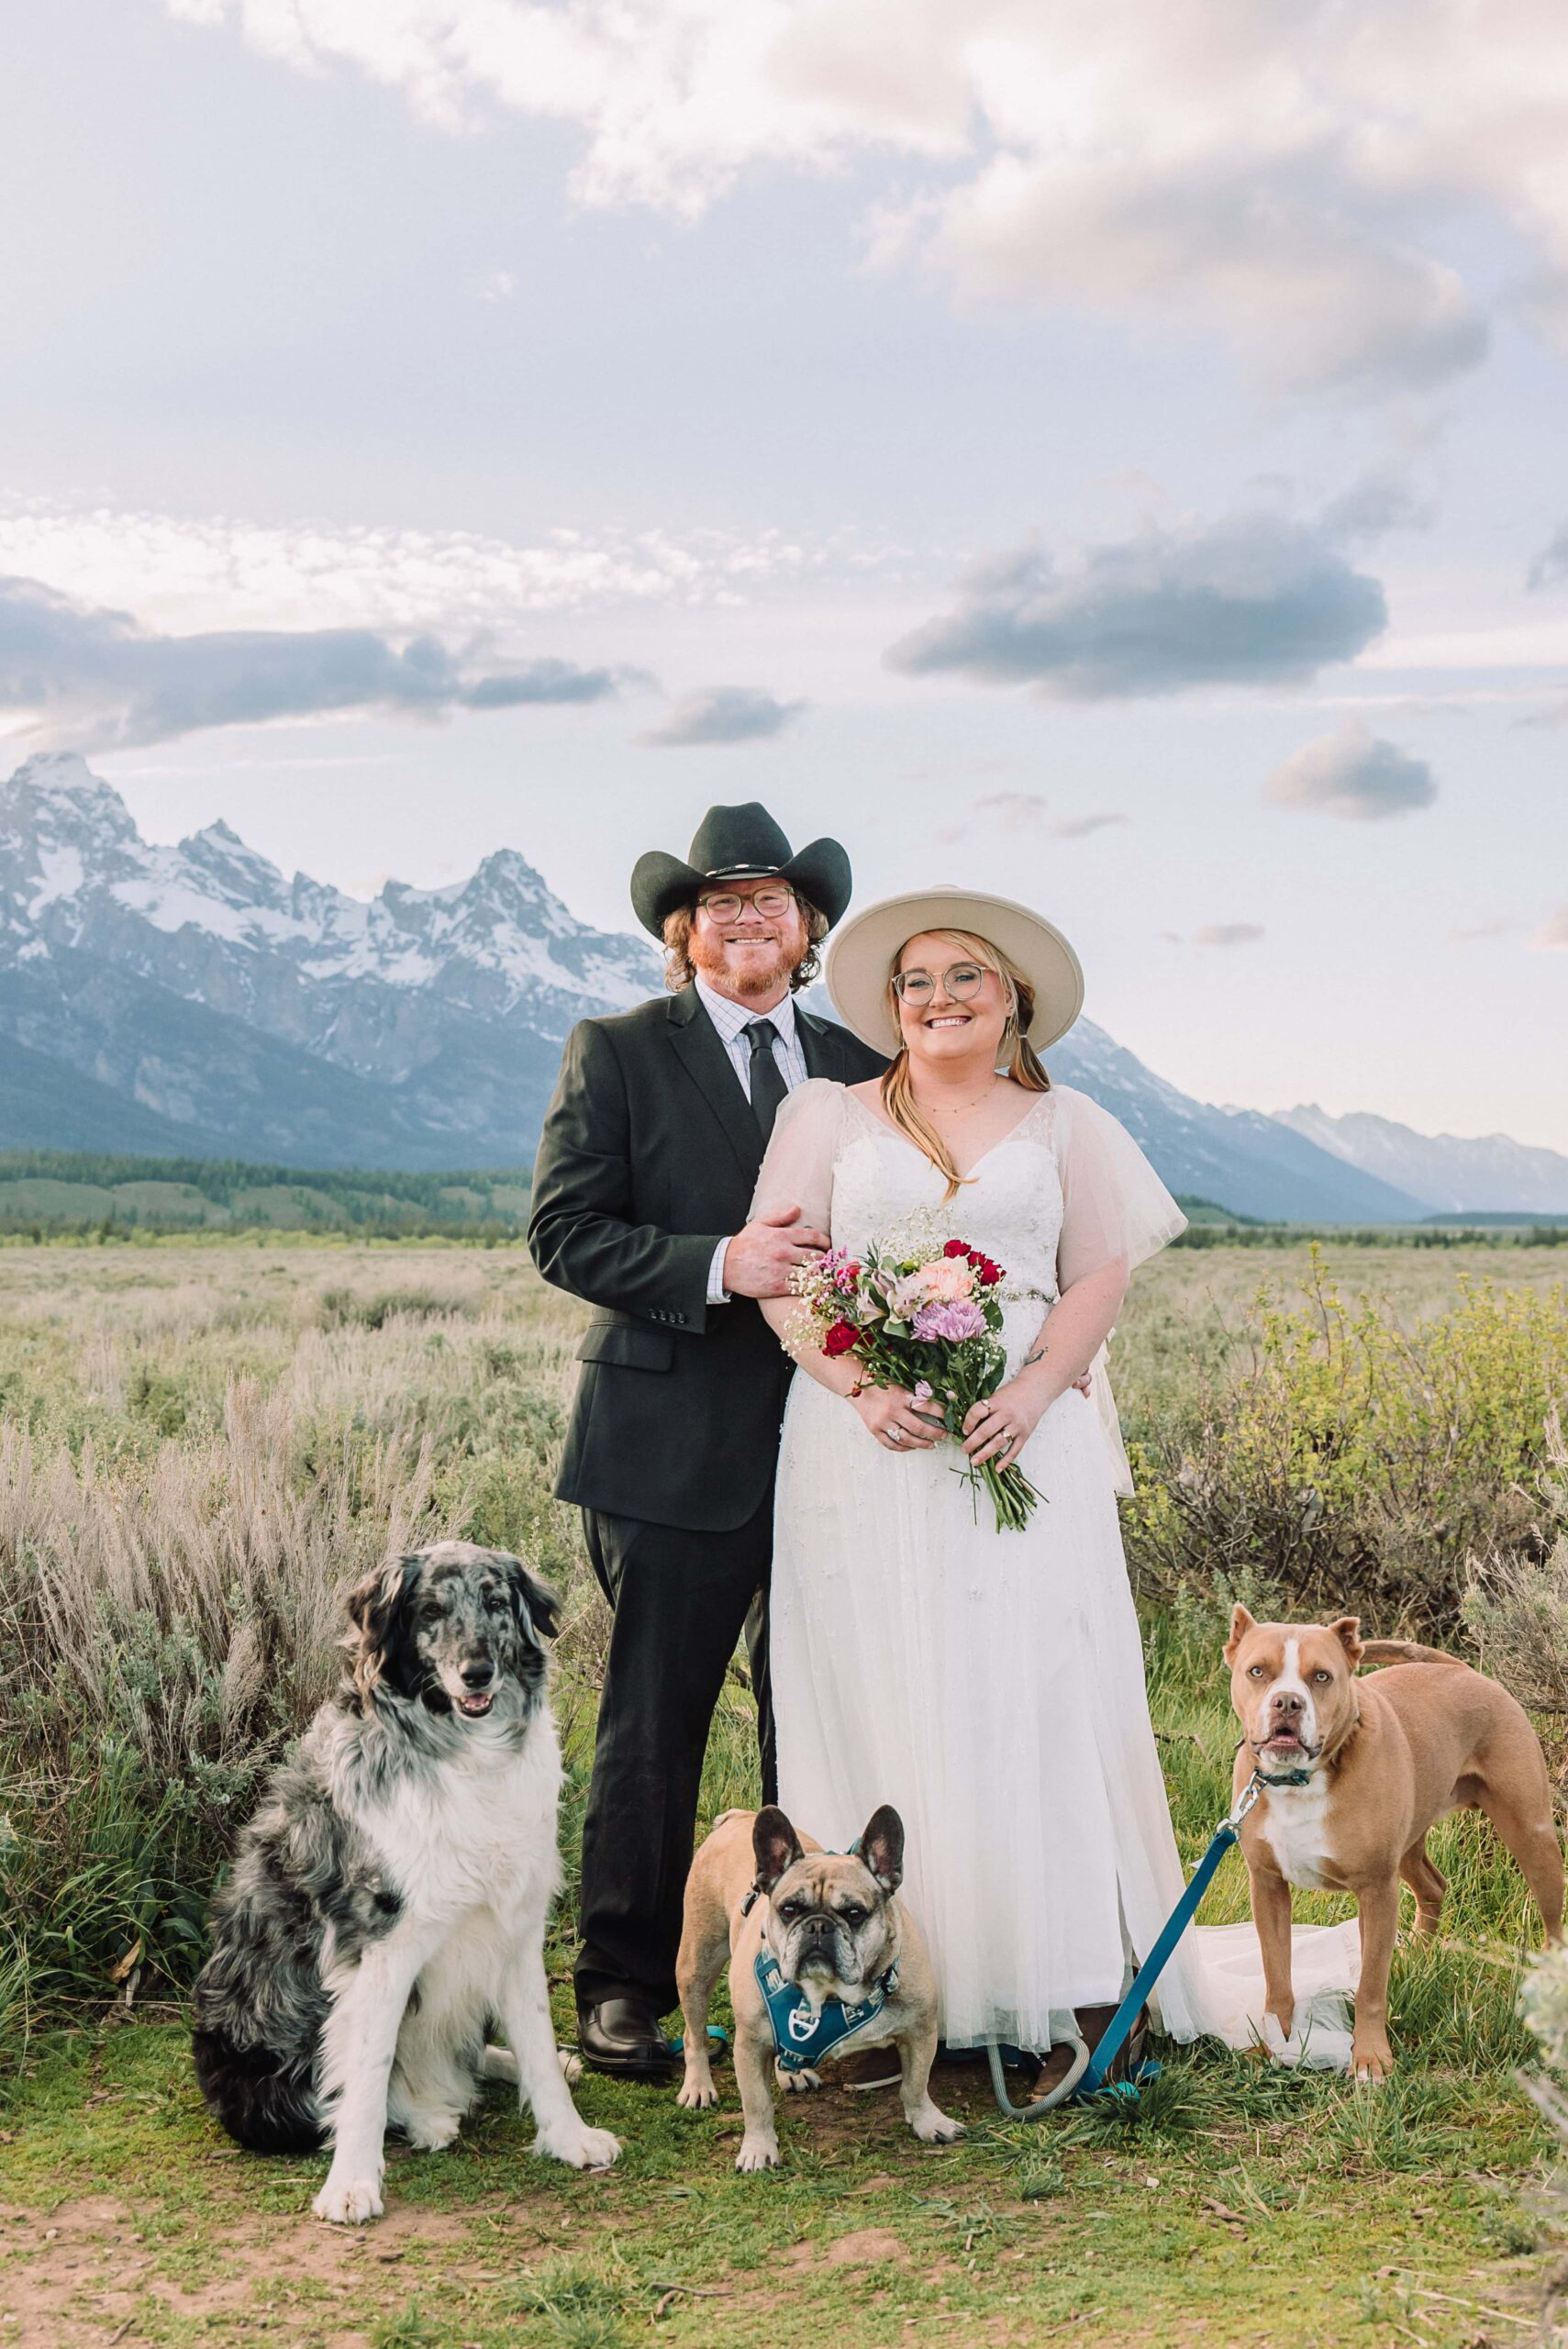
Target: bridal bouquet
{"type": "Point", "coordinates": [922, 1313]}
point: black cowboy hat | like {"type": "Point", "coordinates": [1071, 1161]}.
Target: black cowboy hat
{"type": "Point", "coordinates": [738, 844]}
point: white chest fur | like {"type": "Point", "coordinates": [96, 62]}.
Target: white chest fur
{"type": "Point", "coordinates": [477, 1834]}
{"type": "Point", "coordinates": [1294, 1821]}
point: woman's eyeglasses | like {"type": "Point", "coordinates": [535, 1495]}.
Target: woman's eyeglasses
{"type": "Point", "coordinates": [917, 988]}
{"type": "Point", "coordinates": [725, 905]}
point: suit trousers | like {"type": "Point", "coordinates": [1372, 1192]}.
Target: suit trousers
{"type": "Point", "coordinates": [680, 1600]}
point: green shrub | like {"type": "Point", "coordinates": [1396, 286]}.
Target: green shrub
{"type": "Point", "coordinates": [1339, 1460]}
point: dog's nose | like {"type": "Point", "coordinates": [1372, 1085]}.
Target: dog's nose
{"type": "Point", "coordinates": [477, 1673]}
{"type": "Point", "coordinates": [1286, 1703]}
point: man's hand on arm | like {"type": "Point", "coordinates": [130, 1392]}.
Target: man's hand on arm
{"type": "Point", "coordinates": [759, 1260]}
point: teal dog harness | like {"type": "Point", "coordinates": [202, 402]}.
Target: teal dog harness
{"type": "Point", "coordinates": [803, 2036]}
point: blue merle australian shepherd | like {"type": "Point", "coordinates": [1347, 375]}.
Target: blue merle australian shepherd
{"type": "Point", "coordinates": [388, 1900]}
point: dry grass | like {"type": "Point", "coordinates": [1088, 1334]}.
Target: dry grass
{"type": "Point", "coordinates": [201, 1446]}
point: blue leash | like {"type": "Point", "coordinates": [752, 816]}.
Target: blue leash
{"type": "Point", "coordinates": [1086, 2076]}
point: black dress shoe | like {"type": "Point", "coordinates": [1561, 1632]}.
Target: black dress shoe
{"type": "Point", "coordinates": [622, 2035]}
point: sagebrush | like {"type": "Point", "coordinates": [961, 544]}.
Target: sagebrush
{"type": "Point", "coordinates": [201, 1447]}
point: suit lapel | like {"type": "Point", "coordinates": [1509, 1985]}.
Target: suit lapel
{"type": "Point", "coordinates": [706, 1061]}
{"type": "Point", "coordinates": [819, 1045]}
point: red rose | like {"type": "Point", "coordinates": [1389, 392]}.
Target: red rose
{"type": "Point", "coordinates": [957, 1248]}
{"type": "Point", "coordinates": [839, 1338]}
{"type": "Point", "coordinates": [989, 1274]}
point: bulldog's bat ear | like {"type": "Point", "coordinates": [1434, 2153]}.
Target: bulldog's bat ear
{"type": "Point", "coordinates": [1241, 1624]}
{"type": "Point", "coordinates": [1348, 1631]}
{"type": "Point", "coordinates": [776, 1844]}
{"type": "Point", "coordinates": [882, 1847]}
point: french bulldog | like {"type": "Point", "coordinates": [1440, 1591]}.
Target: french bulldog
{"type": "Point", "coordinates": [838, 1948]}
{"type": "Point", "coordinates": [1355, 1772]}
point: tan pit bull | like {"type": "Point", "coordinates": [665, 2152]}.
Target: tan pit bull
{"type": "Point", "coordinates": [1355, 1772]}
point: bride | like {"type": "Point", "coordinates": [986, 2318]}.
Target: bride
{"type": "Point", "coordinates": [989, 1685]}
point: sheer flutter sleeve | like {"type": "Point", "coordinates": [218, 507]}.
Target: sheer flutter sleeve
{"type": "Point", "coordinates": [797, 1170]}
{"type": "Point", "coordinates": [1114, 1204]}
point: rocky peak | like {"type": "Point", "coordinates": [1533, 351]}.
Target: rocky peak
{"type": "Point", "coordinates": [56, 797]}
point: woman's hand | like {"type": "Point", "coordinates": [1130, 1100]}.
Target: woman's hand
{"type": "Point", "coordinates": [999, 1427]}
{"type": "Point", "coordinates": [896, 1419]}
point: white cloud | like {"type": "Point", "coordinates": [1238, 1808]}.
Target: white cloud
{"type": "Point", "coordinates": [1022, 813]}
{"type": "Point", "coordinates": [1352, 773]}
{"type": "Point", "coordinates": [1312, 184]}
{"type": "Point", "coordinates": [722, 714]}
{"type": "Point", "coordinates": [221, 571]}
{"type": "Point", "coordinates": [82, 676]}
{"type": "Point", "coordinates": [1251, 599]}
{"type": "Point", "coordinates": [1229, 933]}
{"type": "Point", "coordinates": [1499, 926]}
{"type": "Point", "coordinates": [1079, 828]}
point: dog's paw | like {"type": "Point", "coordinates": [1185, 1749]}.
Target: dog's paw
{"type": "Point", "coordinates": [581, 2148]}
{"type": "Point", "coordinates": [934, 2127]}
{"type": "Point", "coordinates": [1371, 2065]}
{"type": "Point", "coordinates": [757, 2153]}
{"type": "Point", "coordinates": [571, 2065]}
{"type": "Point", "coordinates": [429, 2131]}
{"type": "Point", "coordinates": [1284, 2046]}
{"type": "Point", "coordinates": [697, 2095]}
{"type": "Point", "coordinates": [796, 2083]}
{"type": "Point", "coordinates": [349, 2201]}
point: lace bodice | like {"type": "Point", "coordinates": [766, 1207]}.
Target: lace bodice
{"type": "Point", "coordinates": [1064, 1193]}
{"type": "Point", "coordinates": [1067, 1191]}
{"type": "Point", "coordinates": [1011, 1206]}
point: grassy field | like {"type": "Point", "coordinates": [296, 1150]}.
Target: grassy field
{"type": "Point", "coordinates": [200, 1445]}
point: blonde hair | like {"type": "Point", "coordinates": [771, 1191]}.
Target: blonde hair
{"type": "Point", "coordinates": [1024, 1064]}
{"type": "Point", "coordinates": [680, 971]}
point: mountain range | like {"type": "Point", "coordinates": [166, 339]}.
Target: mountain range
{"type": "Point", "coordinates": [190, 1000]}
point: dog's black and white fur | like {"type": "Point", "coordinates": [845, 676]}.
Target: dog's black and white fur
{"type": "Point", "coordinates": [389, 1898]}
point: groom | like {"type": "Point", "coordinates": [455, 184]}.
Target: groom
{"type": "Point", "coordinates": [641, 1207]}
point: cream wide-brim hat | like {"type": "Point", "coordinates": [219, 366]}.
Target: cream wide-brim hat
{"type": "Point", "coordinates": [860, 958]}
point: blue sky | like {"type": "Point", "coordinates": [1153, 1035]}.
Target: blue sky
{"type": "Point", "coordinates": [1110, 453]}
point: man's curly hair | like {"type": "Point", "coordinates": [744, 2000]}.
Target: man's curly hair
{"type": "Point", "coordinates": [680, 970]}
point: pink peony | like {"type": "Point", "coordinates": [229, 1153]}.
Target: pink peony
{"type": "Point", "coordinates": [956, 1319]}
{"type": "Point", "coordinates": [948, 1278]}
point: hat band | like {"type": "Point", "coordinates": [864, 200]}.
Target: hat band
{"type": "Point", "coordinates": [743, 872]}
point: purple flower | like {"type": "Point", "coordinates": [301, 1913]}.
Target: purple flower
{"type": "Point", "coordinates": [959, 1320]}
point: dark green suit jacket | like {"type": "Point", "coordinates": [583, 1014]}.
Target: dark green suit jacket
{"type": "Point", "coordinates": [648, 1159]}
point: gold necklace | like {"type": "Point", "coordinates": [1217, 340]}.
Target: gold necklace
{"type": "Point", "coordinates": [958, 1109]}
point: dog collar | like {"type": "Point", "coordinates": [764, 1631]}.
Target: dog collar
{"type": "Point", "coordinates": [802, 2037]}
{"type": "Point", "coordinates": [1285, 1778]}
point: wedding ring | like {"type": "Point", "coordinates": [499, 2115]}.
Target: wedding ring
{"type": "Point", "coordinates": [895, 1435]}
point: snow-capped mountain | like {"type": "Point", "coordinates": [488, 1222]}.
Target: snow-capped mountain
{"type": "Point", "coordinates": [250, 1015]}
{"type": "Point", "coordinates": [1451, 1173]}
{"type": "Point", "coordinates": [1240, 1158]}
{"type": "Point", "coordinates": [190, 999]}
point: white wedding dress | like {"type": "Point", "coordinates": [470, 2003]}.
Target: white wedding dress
{"type": "Point", "coordinates": [990, 1685]}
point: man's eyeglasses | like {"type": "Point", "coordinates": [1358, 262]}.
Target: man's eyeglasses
{"type": "Point", "coordinates": [917, 988]}
{"type": "Point", "coordinates": [725, 904]}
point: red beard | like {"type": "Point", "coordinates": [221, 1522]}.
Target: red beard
{"type": "Point", "coordinates": [758, 977]}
